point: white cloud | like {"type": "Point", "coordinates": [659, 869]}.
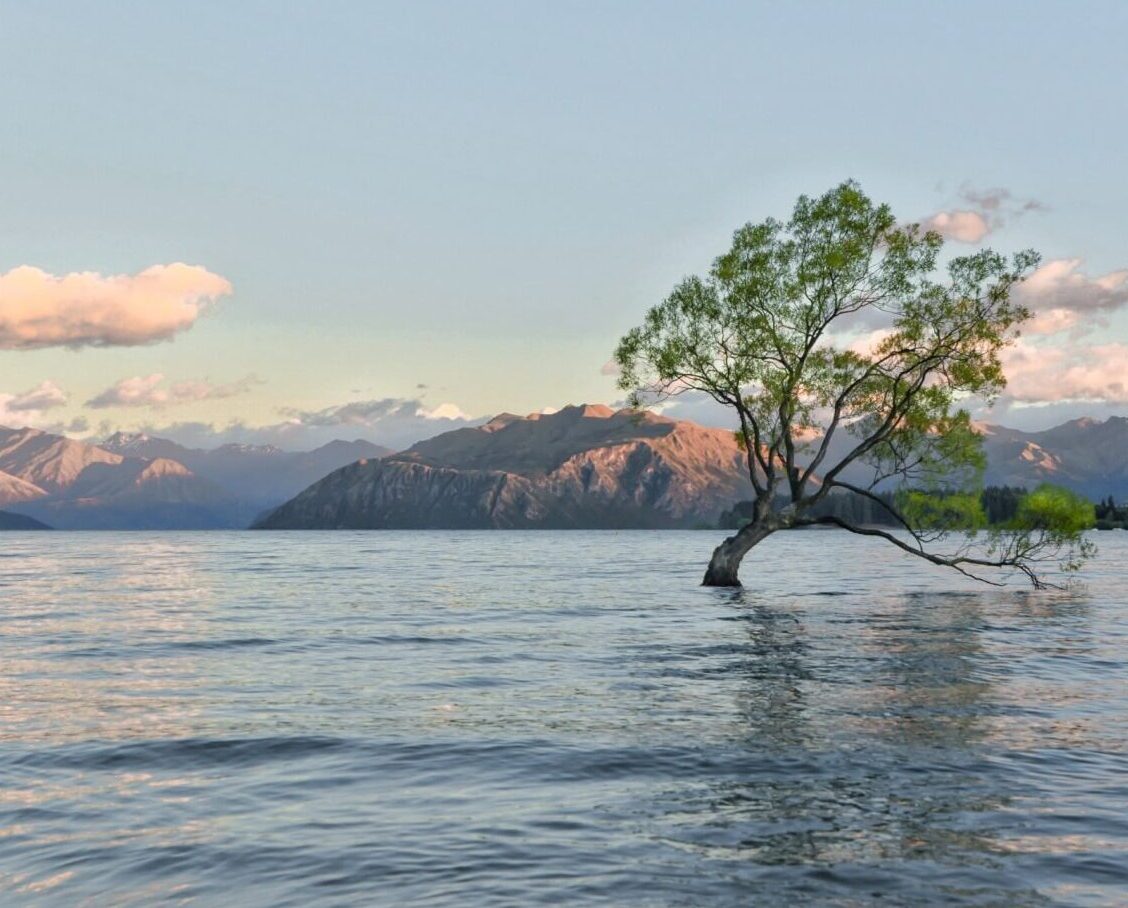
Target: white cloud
{"type": "Point", "coordinates": [445, 411]}
{"type": "Point", "coordinates": [87, 309]}
{"type": "Point", "coordinates": [151, 391]}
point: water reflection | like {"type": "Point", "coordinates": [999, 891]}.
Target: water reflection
{"type": "Point", "coordinates": [65, 678]}
{"type": "Point", "coordinates": [776, 676]}
{"type": "Point", "coordinates": [885, 731]}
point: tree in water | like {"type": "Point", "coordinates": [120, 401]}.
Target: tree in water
{"type": "Point", "coordinates": [774, 332]}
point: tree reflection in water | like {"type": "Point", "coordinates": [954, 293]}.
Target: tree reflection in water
{"type": "Point", "coordinates": [875, 734]}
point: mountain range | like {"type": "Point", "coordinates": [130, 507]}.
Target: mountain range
{"type": "Point", "coordinates": [590, 466]}
{"type": "Point", "coordinates": [260, 476]}
{"type": "Point", "coordinates": [584, 466]}
{"type": "Point", "coordinates": [1086, 455]}
{"type": "Point", "coordinates": [138, 482]}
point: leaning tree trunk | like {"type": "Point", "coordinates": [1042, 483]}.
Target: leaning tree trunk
{"type": "Point", "coordinates": [725, 563]}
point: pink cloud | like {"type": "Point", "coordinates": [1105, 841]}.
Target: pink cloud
{"type": "Point", "coordinates": [961, 226]}
{"type": "Point", "coordinates": [87, 309]}
{"type": "Point", "coordinates": [44, 396]}
{"type": "Point", "coordinates": [986, 210]}
{"type": "Point", "coordinates": [151, 391]}
{"type": "Point", "coordinates": [28, 408]}
{"type": "Point", "coordinates": [1045, 374]}
{"type": "Point", "coordinates": [867, 344]}
{"type": "Point", "coordinates": [1052, 321]}
{"type": "Point", "coordinates": [1061, 284]}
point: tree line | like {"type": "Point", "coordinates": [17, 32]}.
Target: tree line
{"type": "Point", "coordinates": [1110, 515]}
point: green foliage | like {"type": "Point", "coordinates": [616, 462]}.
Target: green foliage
{"type": "Point", "coordinates": [1049, 523]}
{"type": "Point", "coordinates": [1054, 509]}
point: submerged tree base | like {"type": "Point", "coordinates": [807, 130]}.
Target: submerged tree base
{"type": "Point", "coordinates": [722, 578]}
{"type": "Point", "coordinates": [724, 566]}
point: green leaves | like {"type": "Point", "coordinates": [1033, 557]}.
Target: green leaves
{"type": "Point", "coordinates": [1049, 524]}
{"type": "Point", "coordinates": [1056, 510]}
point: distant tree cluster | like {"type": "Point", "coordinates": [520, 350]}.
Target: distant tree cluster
{"type": "Point", "coordinates": [1110, 515]}
{"type": "Point", "coordinates": [1000, 503]}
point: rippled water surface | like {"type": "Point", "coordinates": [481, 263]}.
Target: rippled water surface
{"type": "Point", "coordinates": [533, 718]}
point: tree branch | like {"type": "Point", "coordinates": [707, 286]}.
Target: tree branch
{"type": "Point", "coordinates": [956, 562]}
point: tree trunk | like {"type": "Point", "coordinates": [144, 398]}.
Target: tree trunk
{"type": "Point", "coordinates": [725, 563]}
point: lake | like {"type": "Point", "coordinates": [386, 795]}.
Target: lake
{"type": "Point", "coordinates": [552, 718]}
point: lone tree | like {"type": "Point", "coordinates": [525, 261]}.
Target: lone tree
{"type": "Point", "coordinates": [844, 351]}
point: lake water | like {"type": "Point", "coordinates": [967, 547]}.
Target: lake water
{"type": "Point", "coordinates": [541, 718]}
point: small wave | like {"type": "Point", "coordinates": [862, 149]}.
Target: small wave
{"type": "Point", "coordinates": [177, 753]}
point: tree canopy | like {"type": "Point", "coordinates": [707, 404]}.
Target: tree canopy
{"type": "Point", "coordinates": [846, 349]}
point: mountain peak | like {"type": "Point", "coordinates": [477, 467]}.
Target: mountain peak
{"type": "Point", "coordinates": [501, 421]}
{"type": "Point", "coordinates": [587, 411]}
{"type": "Point", "coordinates": [162, 466]}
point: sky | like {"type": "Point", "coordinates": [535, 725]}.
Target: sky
{"type": "Point", "coordinates": [290, 222]}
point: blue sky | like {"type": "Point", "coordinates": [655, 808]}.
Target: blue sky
{"type": "Point", "coordinates": [466, 204]}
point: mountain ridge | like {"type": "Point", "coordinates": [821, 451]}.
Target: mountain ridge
{"type": "Point", "coordinates": [586, 465]}
{"type": "Point", "coordinates": [583, 466]}
{"type": "Point", "coordinates": [136, 481]}
{"type": "Point", "coordinates": [259, 476]}
{"type": "Point", "coordinates": [589, 465]}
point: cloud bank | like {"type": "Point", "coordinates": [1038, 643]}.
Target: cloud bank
{"type": "Point", "coordinates": [1041, 374]}
{"type": "Point", "coordinates": [394, 422]}
{"type": "Point", "coordinates": [151, 391]}
{"type": "Point", "coordinates": [369, 413]}
{"type": "Point", "coordinates": [87, 309]}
